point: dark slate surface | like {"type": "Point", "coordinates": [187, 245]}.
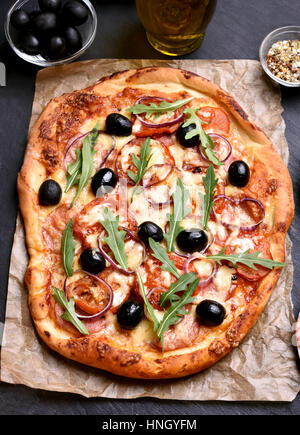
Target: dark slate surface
{"type": "Point", "coordinates": [236, 31]}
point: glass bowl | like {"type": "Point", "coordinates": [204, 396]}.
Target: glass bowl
{"type": "Point", "coordinates": [281, 34]}
{"type": "Point", "coordinates": [87, 31]}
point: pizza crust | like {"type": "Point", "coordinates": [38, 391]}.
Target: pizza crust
{"type": "Point", "coordinates": [44, 155]}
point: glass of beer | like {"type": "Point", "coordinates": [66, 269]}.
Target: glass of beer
{"type": "Point", "coordinates": [175, 27]}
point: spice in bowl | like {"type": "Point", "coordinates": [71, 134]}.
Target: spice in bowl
{"type": "Point", "coordinates": [283, 60]}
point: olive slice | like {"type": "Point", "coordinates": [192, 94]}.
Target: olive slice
{"type": "Point", "coordinates": [92, 261]}
{"type": "Point", "coordinates": [192, 240]}
{"type": "Point", "coordinates": [118, 125]}
{"type": "Point", "coordinates": [150, 229]}
{"type": "Point", "coordinates": [210, 313]}
{"type": "Point", "coordinates": [104, 181]}
{"type": "Point", "coordinates": [182, 132]}
{"type": "Point", "coordinates": [49, 193]}
{"type": "Point", "coordinates": [239, 173]}
{"type": "Point", "coordinates": [130, 314]}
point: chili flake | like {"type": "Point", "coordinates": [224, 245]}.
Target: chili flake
{"type": "Point", "coordinates": [283, 60]}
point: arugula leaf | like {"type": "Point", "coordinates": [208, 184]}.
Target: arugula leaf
{"type": "Point", "coordinates": [247, 259]}
{"type": "Point", "coordinates": [68, 248]}
{"type": "Point", "coordinates": [115, 239]}
{"type": "Point", "coordinates": [69, 306]}
{"type": "Point", "coordinates": [160, 253]}
{"type": "Point", "coordinates": [180, 211]}
{"type": "Point", "coordinates": [180, 285]}
{"type": "Point", "coordinates": [74, 171]}
{"type": "Point", "coordinates": [210, 183]}
{"type": "Point", "coordinates": [176, 311]}
{"type": "Point", "coordinates": [163, 107]}
{"type": "Point", "coordinates": [147, 303]}
{"type": "Point", "coordinates": [83, 167]}
{"type": "Point", "coordinates": [142, 163]}
{"type": "Point", "coordinates": [206, 141]}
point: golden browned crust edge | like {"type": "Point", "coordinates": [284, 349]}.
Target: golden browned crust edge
{"type": "Point", "coordinates": [91, 351]}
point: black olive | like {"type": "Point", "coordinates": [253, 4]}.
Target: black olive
{"type": "Point", "coordinates": [32, 15]}
{"type": "Point", "coordinates": [211, 313]}
{"type": "Point", "coordinates": [181, 133]}
{"type": "Point", "coordinates": [92, 261]}
{"type": "Point", "coordinates": [44, 24]}
{"type": "Point", "coordinates": [50, 193]}
{"type": "Point", "coordinates": [103, 182]}
{"type": "Point", "coordinates": [20, 19]}
{"type": "Point", "coordinates": [50, 5]}
{"type": "Point", "coordinates": [29, 43]}
{"type": "Point", "coordinates": [73, 39]}
{"type": "Point", "coordinates": [118, 125]}
{"type": "Point", "coordinates": [239, 173]}
{"type": "Point", "coordinates": [75, 13]}
{"type": "Point", "coordinates": [197, 170]}
{"type": "Point", "coordinates": [192, 240]}
{"type": "Point", "coordinates": [150, 229]}
{"type": "Point", "coordinates": [130, 314]}
{"type": "Point", "coordinates": [55, 48]}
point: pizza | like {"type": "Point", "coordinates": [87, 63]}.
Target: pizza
{"type": "Point", "coordinates": [155, 214]}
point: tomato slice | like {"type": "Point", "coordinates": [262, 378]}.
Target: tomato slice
{"type": "Point", "coordinates": [217, 119]}
{"type": "Point", "coordinates": [164, 124]}
{"type": "Point", "coordinates": [251, 274]}
{"type": "Point", "coordinates": [154, 298]}
{"type": "Point", "coordinates": [153, 274]}
{"type": "Point", "coordinates": [160, 154]}
{"type": "Point", "coordinates": [87, 222]}
{"type": "Point", "coordinates": [178, 260]}
{"type": "Point", "coordinates": [89, 294]}
{"type": "Point", "coordinates": [55, 223]}
{"type": "Point", "coordinates": [145, 131]}
{"type": "Point", "coordinates": [262, 246]}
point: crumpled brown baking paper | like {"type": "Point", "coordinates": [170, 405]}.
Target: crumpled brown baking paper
{"type": "Point", "coordinates": [263, 367]}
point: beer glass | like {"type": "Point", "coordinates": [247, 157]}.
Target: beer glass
{"type": "Point", "coordinates": [175, 27]}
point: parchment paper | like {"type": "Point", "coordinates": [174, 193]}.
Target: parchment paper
{"type": "Point", "coordinates": [263, 367]}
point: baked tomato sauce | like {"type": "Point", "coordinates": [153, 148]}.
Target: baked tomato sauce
{"type": "Point", "coordinates": [216, 119]}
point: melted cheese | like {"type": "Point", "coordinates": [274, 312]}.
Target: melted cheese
{"type": "Point", "coordinates": [135, 254]}
{"type": "Point", "coordinates": [242, 243]}
{"type": "Point", "coordinates": [121, 287]}
{"type": "Point", "coordinates": [218, 230]}
{"type": "Point", "coordinates": [203, 267]}
{"type": "Point", "coordinates": [223, 281]}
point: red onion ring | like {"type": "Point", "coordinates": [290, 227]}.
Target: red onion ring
{"type": "Point", "coordinates": [206, 281]}
{"type": "Point", "coordinates": [216, 137]}
{"type": "Point", "coordinates": [121, 173]}
{"type": "Point", "coordinates": [159, 204]}
{"type": "Point", "coordinates": [158, 125]}
{"type": "Point", "coordinates": [97, 278]}
{"type": "Point", "coordinates": [74, 141]}
{"type": "Point", "coordinates": [159, 165]}
{"type": "Point", "coordinates": [163, 204]}
{"type": "Point", "coordinates": [70, 145]}
{"type": "Point", "coordinates": [109, 152]}
{"type": "Point", "coordinates": [114, 263]}
{"type": "Point", "coordinates": [237, 202]}
{"type": "Point", "coordinates": [164, 291]}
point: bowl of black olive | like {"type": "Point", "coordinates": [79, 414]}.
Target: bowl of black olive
{"type": "Point", "coordinates": [50, 32]}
